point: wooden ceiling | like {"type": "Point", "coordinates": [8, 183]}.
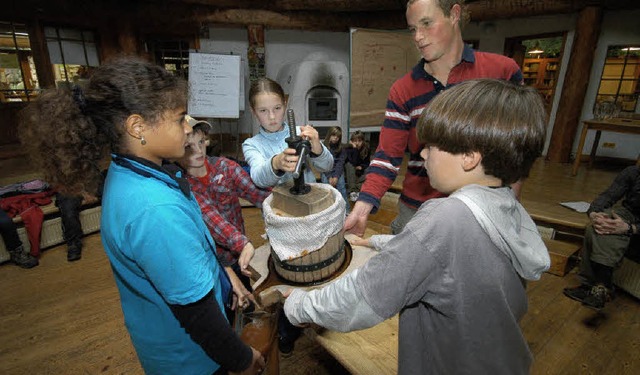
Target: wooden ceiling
{"type": "Point", "coordinates": [330, 15]}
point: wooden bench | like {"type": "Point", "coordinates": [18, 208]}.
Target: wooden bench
{"type": "Point", "coordinates": [51, 233]}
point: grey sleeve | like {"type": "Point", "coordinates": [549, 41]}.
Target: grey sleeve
{"type": "Point", "coordinates": [338, 306]}
{"type": "Point", "coordinates": [378, 241]}
{"type": "Point", "coordinates": [405, 272]}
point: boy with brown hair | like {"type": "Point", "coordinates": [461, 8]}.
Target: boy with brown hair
{"type": "Point", "coordinates": [456, 272]}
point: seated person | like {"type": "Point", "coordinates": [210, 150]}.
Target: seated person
{"type": "Point", "coordinates": [335, 177]}
{"type": "Point", "coordinates": [607, 237]}
{"type": "Point", "coordinates": [358, 157]}
{"type": "Point", "coordinates": [69, 206]}
{"type": "Point", "coordinates": [217, 184]}
{"type": "Point", "coordinates": [12, 242]}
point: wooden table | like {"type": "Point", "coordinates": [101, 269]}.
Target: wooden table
{"type": "Point", "coordinates": [365, 352]}
{"type": "Point", "coordinates": [368, 351]}
{"type": "Point", "coordinates": [618, 125]}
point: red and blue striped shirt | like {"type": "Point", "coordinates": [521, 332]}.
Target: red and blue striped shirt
{"type": "Point", "coordinates": [408, 97]}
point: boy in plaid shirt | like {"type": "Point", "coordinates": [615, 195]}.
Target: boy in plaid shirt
{"type": "Point", "coordinates": [218, 183]}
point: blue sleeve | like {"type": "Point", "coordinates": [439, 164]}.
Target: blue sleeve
{"type": "Point", "coordinates": [261, 172]}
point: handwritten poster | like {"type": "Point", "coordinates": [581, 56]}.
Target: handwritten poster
{"type": "Point", "coordinates": [378, 58]}
{"type": "Point", "coordinates": [215, 85]}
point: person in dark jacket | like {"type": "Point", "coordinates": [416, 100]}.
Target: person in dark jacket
{"type": "Point", "coordinates": [13, 244]}
{"type": "Point", "coordinates": [357, 160]}
{"type": "Point", "coordinates": [607, 238]}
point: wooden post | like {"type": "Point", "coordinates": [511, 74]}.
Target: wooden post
{"type": "Point", "coordinates": [575, 86]}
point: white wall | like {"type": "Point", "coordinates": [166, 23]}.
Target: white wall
{"type": "Point", "coordinates": [620, 27]}
{"type": "Point", "coordinates": [230, 41]}
{"type": "Point", "coordinates": [493, 34]}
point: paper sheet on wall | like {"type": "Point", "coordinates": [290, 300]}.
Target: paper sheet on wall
{"type": "Point", "coordinates": [577, 206]}
{"type": "Point", "coordinates": [215, 85]}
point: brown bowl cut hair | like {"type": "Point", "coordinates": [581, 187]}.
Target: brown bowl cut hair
{"type": "Point", "coordinates": [502, 121]}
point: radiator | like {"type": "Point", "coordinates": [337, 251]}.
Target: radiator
{"type": "Point", "coordinates": [627, 277]}
{"type": "Point", "coordinates": [51, 234]}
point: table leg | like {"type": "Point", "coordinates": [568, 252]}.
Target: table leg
{"type": "Point", "coordinates": [594, 148]}
{"type": "Point", "coordinates": [583, 137]}
{"type": "Point", "coordinates": [273, 358]}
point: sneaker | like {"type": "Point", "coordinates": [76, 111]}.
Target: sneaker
{"type": "Point", "coordinates": [598, 296]}
{"type": "Point", "coordinates": [353, 196]}
{"type": "Point", "coordinates": [578, 293]}
{"type": "Point", "coordinates": [23, 259]}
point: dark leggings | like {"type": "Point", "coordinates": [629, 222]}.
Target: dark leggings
{"type": "Point", "coordinates": [9, 231]}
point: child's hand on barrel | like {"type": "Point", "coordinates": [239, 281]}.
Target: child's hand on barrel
{"type": "Point", "coordinates": [242, 298]}
{"type": "Point", "coordinates": [360, 242]}
{"type": "Point", "coordinates": [245, 258]}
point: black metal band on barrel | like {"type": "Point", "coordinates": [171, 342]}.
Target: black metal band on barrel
{"type": "Point", "coordinates": [309, 267]}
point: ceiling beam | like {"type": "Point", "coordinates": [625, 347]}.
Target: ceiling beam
{"type": "Point", "coordinates": [312, 15]}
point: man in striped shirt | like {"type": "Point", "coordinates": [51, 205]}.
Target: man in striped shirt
{"type": "Point", "coordinates": [446, 61]}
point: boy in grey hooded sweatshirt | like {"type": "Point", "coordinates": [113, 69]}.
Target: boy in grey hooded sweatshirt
{"type": "Point", "coordinates": [456, 273]}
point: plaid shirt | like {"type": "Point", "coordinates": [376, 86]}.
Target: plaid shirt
{"type": "Point", "coordinates": [217, 194]}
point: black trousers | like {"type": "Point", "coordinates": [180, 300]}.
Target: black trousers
{"type": "Point", "coordinates": [69, 207]}
{"type": "Point", "coordinates": [9, 232]}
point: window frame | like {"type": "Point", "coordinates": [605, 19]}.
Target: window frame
{"type": "Point", "coordinates": [30, 87]}
{"type": "Point", "coordinates": [619, 81]}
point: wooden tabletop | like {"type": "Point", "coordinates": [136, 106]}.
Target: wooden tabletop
{"type": "Point", "coordinates": [368, 351]}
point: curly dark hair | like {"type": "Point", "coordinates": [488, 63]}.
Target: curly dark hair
{"type": "Point", "coordinates": [503, 121]}
{"type": "Point", "coordinates": [68, 133]}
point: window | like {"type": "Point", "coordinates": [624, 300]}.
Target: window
{"type": "Point", "coordinates": [173, 55]}
{"type": "Point", "coordinates": [18, 78]}
{"type": "Point", "coordinates": [72, 52]}
{"type": "Point", "coordinates": [620, 81]}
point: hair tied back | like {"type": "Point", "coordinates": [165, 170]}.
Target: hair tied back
{"type": "Point", "coordinates": [78, 98]}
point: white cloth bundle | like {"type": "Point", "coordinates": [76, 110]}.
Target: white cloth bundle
{"type": "Point", "coordinates": [290, 237]}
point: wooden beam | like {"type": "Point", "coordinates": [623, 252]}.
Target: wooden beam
{"type": "Point", "coordinates": [46, 78]}
{"type": "Point", "coordinates": [575, 84]}
{"type": "Point", "coordinates": [328, 15]}
{"type": "Point", "coordinates": [311, 21]}
{"type": "Point", "coordinates": [306, 5]}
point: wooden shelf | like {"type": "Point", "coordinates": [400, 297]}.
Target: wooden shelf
{"type": "Point", "coordinates": [542, 73]}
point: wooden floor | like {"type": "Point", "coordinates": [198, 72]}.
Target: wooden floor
{"type": "Point", "coordinates": [65, 318]}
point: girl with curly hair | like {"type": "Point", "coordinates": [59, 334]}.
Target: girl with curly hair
{"type": "Point", "coordinates": [172, 288]}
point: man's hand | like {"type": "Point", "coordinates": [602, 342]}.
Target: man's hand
{"type": "Point", "coordinates": [356, 222]}
{"type": "Point", "coordinates": [604, 224]}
